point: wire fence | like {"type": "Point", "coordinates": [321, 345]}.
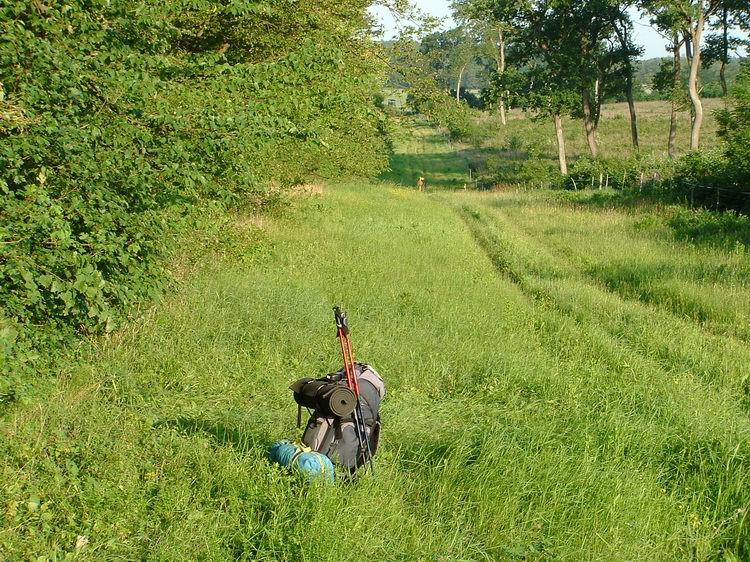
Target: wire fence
{"type": "Point", "coordinates": [718, 198]}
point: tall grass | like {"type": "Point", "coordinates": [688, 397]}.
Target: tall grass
{"type": "Point", "coordinates": [536, 409]}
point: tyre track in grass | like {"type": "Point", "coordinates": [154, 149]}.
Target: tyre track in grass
{"type": "Point", "coordinates": [692, 461]}
{"type": "Point", "coordinates": [729, 355]}
{"type": "Point", "coordinates": [655, 290]}
{"type": "Point", "coordinates": [511, 431]}
{"type": "Point", "coordinates": [719, 361]}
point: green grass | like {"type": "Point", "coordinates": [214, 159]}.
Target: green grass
{"type": "Point", "coordinates": [421, 150]}
{"type": "Point", "coordinates": [565, 382]}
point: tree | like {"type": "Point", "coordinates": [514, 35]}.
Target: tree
{"type": "Point", "coordinates": [734, 128]}
{"type": "Point", "coordinates": [719, 46]}
{"type": "Point", "coordinates": [687, 17]}
{"type": "Point", "coordinates": [575, 31]}
{"type": "Point", "coordinates": [695, 17]}
{"type": "Point", "coordinates": [668, 82]}
{"type": "Point", "coordinates": [627, 52]}
{"type": "Point", "coordinates": [428, 93]}
{"type": "Point", "coordinates": [494, 21]}
{"type": "Point", "coordinates": [540, 80]}
{"type": "Point", "coordinates": [547, 93]}
{"type": "Point", "coordinates": [449, 53]}
{"type": "Point", "coordinates": [667, 17]}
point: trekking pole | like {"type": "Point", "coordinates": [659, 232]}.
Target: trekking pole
{"type": "Point", "coordinates": [342, 328]}
{"type": "Point", "coordinates": [350, 370]}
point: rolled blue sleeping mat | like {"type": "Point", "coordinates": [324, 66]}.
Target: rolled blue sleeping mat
{"type": "Point", "coordinates": [309, 464]}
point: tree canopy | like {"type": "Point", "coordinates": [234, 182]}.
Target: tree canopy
{"type": "Point", "coordinates": [114, 114]}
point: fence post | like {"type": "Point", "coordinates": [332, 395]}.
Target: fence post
{"type": "Point", "coordinates": [692, 196]}
{"type": "Point", "coordinates": [606, 185]}
{"type": "Point", "coordinates": [718, 193]}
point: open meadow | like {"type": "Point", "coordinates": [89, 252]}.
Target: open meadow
{"type": "Point", "coordinates": [566, 381]}
{"type": "Point", "coordinates": [614, 130]}
{"type": "Point", "coordinates": [188, 189]}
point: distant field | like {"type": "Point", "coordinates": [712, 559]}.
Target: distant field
{"type": "Point", "coordinates": [525, 151]}
{"type": "Point", "coordinates": [614, 130]}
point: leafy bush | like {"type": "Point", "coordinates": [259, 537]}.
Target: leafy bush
{"type": "Point", "coordinates": [513, 144]}
{"type": "Point", "coordinates": [701, 167]}
{"type": "Point", "coordinates": [721, 179]}
{"type": "Point", "coordinates": [728, 229]}
{"type": "Point", "coordinates": [117, 117]}
{"type": "Point", "coordinates": [735, 128]}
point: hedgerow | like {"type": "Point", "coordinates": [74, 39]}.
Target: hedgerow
{"type": "Point", "coordinates": [117, 117]}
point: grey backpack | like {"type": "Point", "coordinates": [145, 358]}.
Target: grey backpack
{"type": "Point", "coordinates": [335, 436]}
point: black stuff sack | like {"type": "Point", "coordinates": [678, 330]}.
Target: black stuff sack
{"type": "Point", "coordinates": [330, 429]}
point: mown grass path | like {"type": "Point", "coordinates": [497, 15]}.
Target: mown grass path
{"type": "Point", "coordinates": [423, 151]}
{"type": "Point", "coordinates": [546, 401]}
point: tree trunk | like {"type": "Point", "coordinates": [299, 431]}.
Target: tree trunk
{"type": "Point", "coordinates": [458, 84]}
{"type": "Point", "coordinates": [500, 71]}
{"type": "Point", "coordinates": [675, 85]}
{"type": "Point", "coordinates": [588, 121]}
{"type": "Point", "coordinates": [622, 35]}
{"type": "Point", "coordinates": [696, 32]}
{"type": "Point", "coordinates": [724, 50]}
{"type": "Point", "coordinates": [560, 145]}
{"type": "Point", "coordinates": [631, 107]}
{"type": "Point", "coordinates": [599, 93]}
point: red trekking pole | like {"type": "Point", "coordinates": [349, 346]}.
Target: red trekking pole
{"type": "Point", "coordinates": [342, 328]}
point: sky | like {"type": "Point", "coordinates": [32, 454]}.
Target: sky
{"type": "Point", "coordinates": [643, 34]}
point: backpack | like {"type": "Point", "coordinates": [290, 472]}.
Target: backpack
{"type": "Point", "coordinates": [335, 436]}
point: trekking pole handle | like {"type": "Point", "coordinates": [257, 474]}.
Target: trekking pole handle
{"type": "Point", "coordinates": [342, 326]}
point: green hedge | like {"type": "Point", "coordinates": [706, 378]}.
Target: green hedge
{"type": "Point", "coordinates": [116, 116]}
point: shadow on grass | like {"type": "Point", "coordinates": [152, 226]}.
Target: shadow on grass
{"type": "Point", "coordinates": [440, 169]}
{"type": "Point", "coordinates": [607, 199]}
{"type": "Point", "coordinates": [715, 471]}
{"type": "Point", "coordinates": [428, 456]}
{"type": "Point", "coordinates": [717, 229]}
{"type": "Point", "coordinates": [704, 227]}
{"type": "Point", "coordinates": [220, 433]}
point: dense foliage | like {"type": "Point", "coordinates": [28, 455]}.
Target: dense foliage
{"type": "Point", "coordinates": [427, 95]}
{"type": "Point", "coordinates": [721, 179]}
{"type": "Point", "coordinates": [735, 129]}
{"type": "Point", "coordinates": [115, 116]}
